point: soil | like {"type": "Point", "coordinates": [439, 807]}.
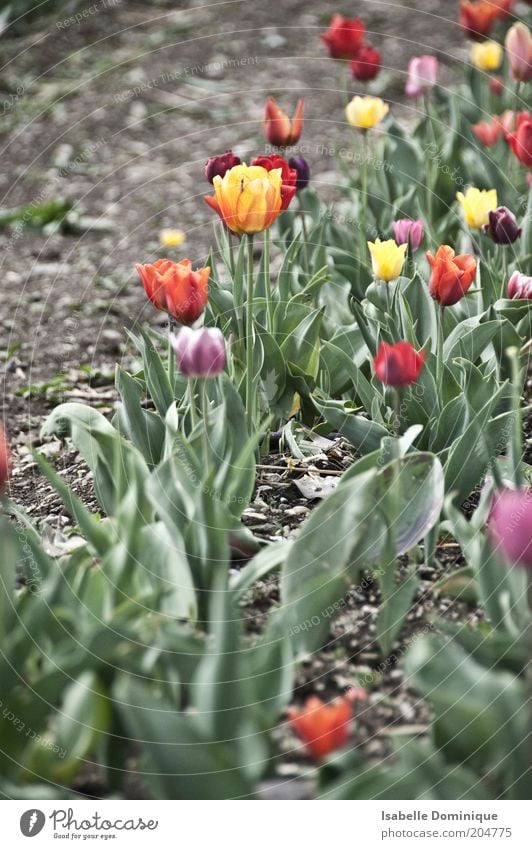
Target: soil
{"type": "Point", "coordinates": [116, 115]}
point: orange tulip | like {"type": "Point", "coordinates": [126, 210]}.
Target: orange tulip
{"type": "Point", "coordinates": [247, 198]}
{"type": "Point", "coordinates": [451, 275]}
{"type": "Point", "coordinates": [175, 288]}
{"type": "Point", "coordinates": [324, 727]}
{"type": "Point", "coordinates": [4, 458]}
{"type": "Point", "coordinates": [477, 17]}
{"type": "Point", "coordinates": [278, 128]}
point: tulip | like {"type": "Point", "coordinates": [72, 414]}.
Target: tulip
{"type": "Point", "coordinates": [344, 37]}
{"type": "Point", "coordinates": [407, 231]}
{"type": "Point", "coordinates": [175, 288]}
{"type": "Point", "coordinates": [217, 166]}
{"type": "Point", "coordinates": [288, 175]}
{"type": "Point", "coordinates": [520, 286]}
{"type": "Point", "coordinates": [510, 525]}
{"type": "Point", "coordinates": [366, 64]}
{"type": "Point", "coordinates": [278, 128]}
{"type": "Point", "coordinates": [300, 164]}
{"type": "Point", "coordinates": [171, 238]}
{"type": "Point", "coordinates": [387, 259]}
{"type": "Point", "coordinates": [398, 365]}
{"type": "Point", "coordinates": [322, 727]}
{"type": "Point", "coordinates": [366, 112]}
{"type": "Point", "coordinates": [488, 132]}
{"type": "Point", "coordinates": [5, 461]}
{"type": "Point", "coordinates": [478, 16]}
{"type": "Point", "coordinates": [422, 75]}
{"type": "Point", "coordinates": [518, 45]}
{"type": "Point", "coordinates": [247, 198]}
{"type": "Point", "coordinates": [496, 85]}
{"type": "Point", "coordinates": [451, 275]}
{"type": "Point", "coordinates": [199, 353]}
{"type": "Point", "coordinates": [502, 226]}
{"type": "Point", "coordinates": [486, 55]}
{"type": "Point", "coordinates": [521, 139]}
{"type": "Point", "coordinates": [477, 204]}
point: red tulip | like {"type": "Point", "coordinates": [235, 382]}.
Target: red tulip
{"type": "Point", "coordinates": [289, 175]}
{"type": "Point", "coordinates": [398, 365]}
{"type": "Point", "coordinates": [477, 17]}
{"type": "Point", "coordinates": [488, 132]}
{"type": "Point", "coordinates": [175, 288]}
{"type": "Point", "coordinates": [278, 128]}
{"type": "Point", "coordinates": [344, 37]}
{"type": "Point", "coordinates": [5, 458]}
{"type": "Point", "coordinates": [366, 64]}
{"type": "Point", "coordinates": [324, 727]}
{"type": "Point", "coordinates": [521, 139]}
{"type": "Point", "coordinates": [217, 166]}
{"type": "Point", "coordinates": [496, 85]}
{"type": "Point", "coordinates": [451, 275]}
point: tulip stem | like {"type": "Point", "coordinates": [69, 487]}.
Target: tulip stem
{"type": "Point", "coordinates": [363, 195]}
{"type": "Point", "coordinates": [305, 242]}
{"type": "Point", "coordinates": [439, 351]}
{"type": "Point", "coordinates": [205, 407]}
{"type": "Point", "coordinates": [250, 404]}
{"type": "Point", "coordinates": [191, 383]}
{"type": "Point", "coordinates": [267, 282]}
{"type": "Point", "coordinates": [514, 448]}
{"type": "Point", "coordinates": [171, 358]}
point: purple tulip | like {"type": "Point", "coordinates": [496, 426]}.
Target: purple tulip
{"type": "Point", "coordinates": [502, 226]}
{"type": "Point", "coordinates": [520, 286]}
{"type": "Point", "coordinates": [407, 231]}
{"type": "Point", "coordinates": [217, 166]}
{"type": "Point", "coordinates": [200, 353]}
{"type": "Point", "coordinates": [422, 75]}
{"type": "Point", "coordinates": [303, 171]}
{"type": "Point", "coordinates": [510, 525]}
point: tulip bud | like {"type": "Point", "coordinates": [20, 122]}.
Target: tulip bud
{"type": "Point", "coordinates": [366, 64]}
{"type": "Point", "coordinates": [175, 288]}
{"type": "Point", "coordinates": [510, 525]}
{"type": "Point", "coordinates": [477, 204]}
{"type": "Point", "coordinates": [520, 286]}
{"type": "Point", "coordinates": [200, 353]}
{"type": "Point", "coordinates": [387, 259]}
{"type": "Point", "coordinates": [398, 365]}
{"type": "Point", "coordinates": [486, 55]}
{"type": "Point", "coordinates": [322, 727]}
{"type": "Point", "coordinates": [344, 37]}
{"type": "Point", "coordinates": [4, 459]}
{"type": "Point", "coordinates": [300, 164]}
{"type": "Point", "coordinates": [408, 232]}
{"type": "Point", "coordinates": [366, 112]}
{"type": "Point", "coordinates": [502, 226]}
{"type": "Point", "coordinates": [278, 128]}
{"type": "Point", "coordinates": [422, 75]}
{"type": "Point", "coordinates": [518, 45]}
{"type": "Point", "coordinates": [451, 275]}
{"type": "Point", "coordinates": [520, 140]}
{"type": "Point", "coordinates": [488, 132]}
{"type": "Point", "coordinates": [217, 166]}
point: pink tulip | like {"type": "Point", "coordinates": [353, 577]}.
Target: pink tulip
{"type": "Point", "coordinates": [200, 353]}
{"type": "Point", "coordinates": [520, 286]}
{"type": "Point", "coordinates": [518, 44]}
{"type": "Point", "coordinates": [422, 75]}
{"type": "Point", "coordinates": [406, 231]}
{"type": "Point", "coordinates": [510, 525]}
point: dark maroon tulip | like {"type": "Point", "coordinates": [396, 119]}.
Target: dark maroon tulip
{"type": "Point", "coordinates": [502, 226]}
{"type": "Point", "coordinates": [217, 166]}
{"type": "Point", "coordinates": [300, 164]}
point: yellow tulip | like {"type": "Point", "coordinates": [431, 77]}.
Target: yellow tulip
{"type": "Point", "coordinates": [366, 112]}
{"type": "Point", "coordinates": [486, 55]}
{"type": "Point", "coordinates": [171, 238]}
{"type": "Point", "coordinates": [247, 198]}
{"type": "Point", "coordinates": [477, 204]}
{"type": "Point", "coordinates": [387, 259]}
